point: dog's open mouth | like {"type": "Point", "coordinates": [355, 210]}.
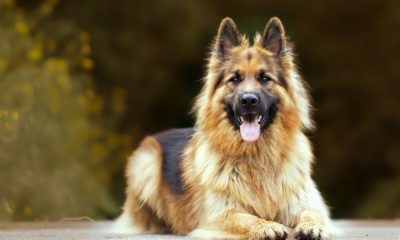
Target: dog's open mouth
{"type": "Point", "coordinates": [250, 126]}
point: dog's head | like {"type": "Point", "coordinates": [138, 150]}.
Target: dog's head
{"type": "Point", "coordinates": [252, 88]}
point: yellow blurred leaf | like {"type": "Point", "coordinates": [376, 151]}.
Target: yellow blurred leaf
{"type": "Point", "coordinates": [47, 7]}
{"type": "Point", "coordinates": [62, 65]}
{"type": "Point", "coordinates": [16, 115]}
{"type": "Point", "coordinates": [35, 54]}
{"type": "Point", "coordinates": [21, 27]}
{"type": "Point", "coordinates": [9, 3]}
{"type": "Point", "coordinates": [51, 64]}
{"type": "Point", "coordinates": [9, 210]}
{"type": "Point", "coordinates": [63, 81]}
{"type": "Point", "coordinates": [3, 64]}
{"type": "Point", "coordinates": [82, 100]}
{"type": "Point", "coordinates": [28, 211]}
{"type": "Point", "coordinates": [86, 49]}
{"type": "Point", "coordinates": [27, 88]}
{"type": "Point", "coordinates": [88, 63]}
{"type": "Point", "coordinates": [96, 106]}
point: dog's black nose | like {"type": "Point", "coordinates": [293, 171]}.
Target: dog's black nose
{"type": "Point", "coordinates": [249, 100]}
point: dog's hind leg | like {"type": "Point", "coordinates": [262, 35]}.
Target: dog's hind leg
{"type": "Point", "coordinates": [143, 203]}
{"type": "Point", "coordinates": [138, 218]}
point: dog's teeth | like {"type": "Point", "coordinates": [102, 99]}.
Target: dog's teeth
{"type": "Point", "coordinates": [259, 118]}
{"type": "Point", "coordinates": [241, 119]}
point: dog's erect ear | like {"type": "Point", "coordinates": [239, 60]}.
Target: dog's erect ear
{"type": "Point", "coordinates": [273, 38]}
{"type": "Point", "coordinates": [228, 38]}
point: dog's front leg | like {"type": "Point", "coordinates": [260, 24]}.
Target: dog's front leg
{"type": "Point", "coordinates": [251, 227]}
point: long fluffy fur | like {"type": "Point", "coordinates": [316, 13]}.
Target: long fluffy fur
{"type": "Point", "coordinates": [233, 189]}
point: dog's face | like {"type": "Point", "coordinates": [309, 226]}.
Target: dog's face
{"type": "Point", "coordinates": [250, 80]}
{"type": "Point", "coordinates": [251, 100]}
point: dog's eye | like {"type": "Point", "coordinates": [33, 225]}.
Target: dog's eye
{"type": "Point", "coordinates": [266, 78]}
{"type": "Point", "coordinates": [235, 79]}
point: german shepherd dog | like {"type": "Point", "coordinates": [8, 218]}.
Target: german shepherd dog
{"type": "Point", "coordinates": [243, 171]}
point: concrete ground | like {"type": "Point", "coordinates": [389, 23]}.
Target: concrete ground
{"type": "Point", "coordinates": [352, 229]}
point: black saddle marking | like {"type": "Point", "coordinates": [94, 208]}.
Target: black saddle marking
{"type": "Point", "coordinates": [173, 142]}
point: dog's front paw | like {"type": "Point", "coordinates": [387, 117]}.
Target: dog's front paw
{"type": "Point", "coordinates": [308, 230]}
{"type": "Point", "coordinates": [269, 231]}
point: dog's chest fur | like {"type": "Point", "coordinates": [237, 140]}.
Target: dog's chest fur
{"type": "Point", "coordinates": [241, 184]}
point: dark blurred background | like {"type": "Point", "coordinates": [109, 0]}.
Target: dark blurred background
{"type": "Point", "coordinates": [83, 81]}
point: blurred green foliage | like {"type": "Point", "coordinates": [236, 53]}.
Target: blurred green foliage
{"type": "Point", "coordinates": [135, 70]}
{"type": "Point", "coordinates": [56, 144]}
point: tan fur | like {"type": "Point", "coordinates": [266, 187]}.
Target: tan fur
{"type": "Point", "coordinates": [234, 189]}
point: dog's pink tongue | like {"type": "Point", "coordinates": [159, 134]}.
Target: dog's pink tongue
{"type": "Point", "coordinates": [250, 131]}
